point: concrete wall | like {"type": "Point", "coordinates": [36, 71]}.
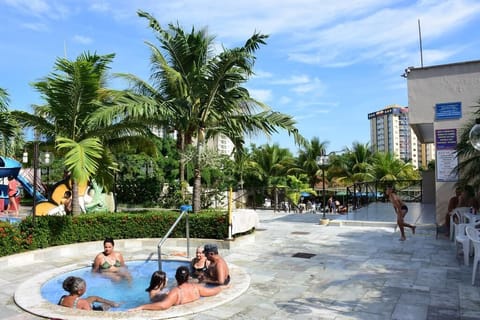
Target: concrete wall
{"type": "Point", "coordinates": [459, 82]}
{"type": "Point", "coordinates": [428, 186]}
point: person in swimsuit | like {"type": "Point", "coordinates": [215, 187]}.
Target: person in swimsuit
{"type": "Point", "coordinates": [76, 287]}
{"type": "Point", "coordinates": [401, 210]}
{"type": "Point", "coordinates": [199, 264]}
{"type": "Point", "coordinates": [217, 272]}
{"type": "Point", "coordinates": [110, 262]}
{"type": "Point", "coordinates": [183, 293]}
{"type": "Point", "coordinates": [156, 289]}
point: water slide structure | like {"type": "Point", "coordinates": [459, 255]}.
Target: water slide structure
{"type": "Point", "coordinates": [98, 201]}
{"type": "Point", "coordinates": [11, 167]}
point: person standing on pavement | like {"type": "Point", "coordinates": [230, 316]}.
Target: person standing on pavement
{"type": "Point", "coordinates": [401, 210]}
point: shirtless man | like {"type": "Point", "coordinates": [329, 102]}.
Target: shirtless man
{"type": "Point", "coordinates": [217, 272]}
{"type": "Point", "coordinates": [401, 210]}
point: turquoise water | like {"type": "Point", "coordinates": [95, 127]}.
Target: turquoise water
{"type": "Point", "coordinates": [130, 295]}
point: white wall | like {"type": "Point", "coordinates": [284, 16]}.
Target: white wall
{"type": "Point", "coordinates": [459, 82]}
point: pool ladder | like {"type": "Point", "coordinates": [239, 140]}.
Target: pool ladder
{"type": "Point", "coordinates": [184, 212]}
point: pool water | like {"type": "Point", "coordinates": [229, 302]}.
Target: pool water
{"type": "Point", "coordinates": [11, 220]}
{"type": "Point", "coordinates": [129, 295]}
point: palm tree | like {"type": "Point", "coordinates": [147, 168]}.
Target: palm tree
{"type": "Point", "coordinates": [78, 118]}
{"type": "Point", "coordinates": [270, 165]}
{"type": "Point", "coordinates": [8, 127]}
{"type": "Point", "coordinates": [307, 156]}
{"type": "Point", "coordinates": [356, 163]}
{"type": "Point", "coordinates": [200, 94]}
{"type": "Point", "coordinates": [386, 167]}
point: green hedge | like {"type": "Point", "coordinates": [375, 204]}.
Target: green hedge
{"type": "Point", "coordinates": [53, 231]}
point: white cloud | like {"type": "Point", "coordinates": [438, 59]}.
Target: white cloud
{"type": "Point", "coordinates": [315, 86]}
{"type": "Point", "coordinates": [261, 94]}
{"type": "Point", "coordinates": [35, 26]}
{"type": "Point", "coordinates": [381, 33]}
{"type": "Point", "coordinates": [261, 74]}
{"type": "Point", "coordinates": [40, 8]}
{"type": "Point", "coordinates": [300, 79]}
{"type": "Point", "coordinates": [35, 7]}
{"type": "Point", "coordinates": [284, 100]}
{"type": "Point", "coordinates": [82, 39]}
{"type": "Point", "coordinates": [100, 6]}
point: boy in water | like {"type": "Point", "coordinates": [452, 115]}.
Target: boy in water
{"type": "Point", "coordinates": [401, 210]}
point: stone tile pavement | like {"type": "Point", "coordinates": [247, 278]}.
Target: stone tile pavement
{"type": "Point", "coordinates": [302, 270]}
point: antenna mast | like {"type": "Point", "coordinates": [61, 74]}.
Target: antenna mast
{"type": "Point", "coordinates": [420, 38]}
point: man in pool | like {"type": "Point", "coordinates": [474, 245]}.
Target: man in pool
{"type": "Point", "coordinates": [217, 272]}
{"type": "Point", "coordinates": [401, 210]}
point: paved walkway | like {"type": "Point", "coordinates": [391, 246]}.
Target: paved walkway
{"type": "Point", "coordinates": [302, 270]}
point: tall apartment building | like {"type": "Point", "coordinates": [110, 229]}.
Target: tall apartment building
{"type": "Point", "coordinates": [222, 144]}
{"type": "Point", "coordinates": [390, 132]}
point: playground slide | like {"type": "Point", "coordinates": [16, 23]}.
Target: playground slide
{"type": "Point", "coordinates": [29, 188]}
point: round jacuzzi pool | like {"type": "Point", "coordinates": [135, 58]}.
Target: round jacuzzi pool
{"type": "Point", "coordinates": [40, 294]}
{"type": "Point", "coordinates": [128, 294]}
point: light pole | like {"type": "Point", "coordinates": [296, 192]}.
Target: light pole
{"type": "Point", "coordinates": [323, 162]}
{"type": "Point", "coordinates": [46, 159]}
{"type": "Point", "coordinates": [474, 134]}
{"type": "Point", "coordinates": [35, 176]}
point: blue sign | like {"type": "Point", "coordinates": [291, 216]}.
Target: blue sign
{"type": "Point", "coordinates": [446, 139]}
{"type": "Point", "coordinates": [450, 110]}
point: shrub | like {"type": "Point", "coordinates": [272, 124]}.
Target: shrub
{"type": "Point", "coordinates": [49, 231]}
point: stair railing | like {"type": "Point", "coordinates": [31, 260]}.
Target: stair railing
{"type": "Point", "coordinates": [184, 212]}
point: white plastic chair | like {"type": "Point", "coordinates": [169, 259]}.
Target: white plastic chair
{"type": "Point", "coordinates": [474, 236]}
{"type": "Point", "coordinates": [455, 217]}
{"type": "Point", "coordinates": [461, 238]}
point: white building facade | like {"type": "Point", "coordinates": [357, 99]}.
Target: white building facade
{"type": "Point", "coordinates": [440, 100]}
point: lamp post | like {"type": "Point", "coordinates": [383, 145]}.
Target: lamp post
{"type": "Point", "coordinates": [46, 159]}
{"type": "Point", "coordinates": [35, 176]}
{"type": "Point", "coordinates": [323, 162]}
{"type": "Point", "coordinates": [474, 134]}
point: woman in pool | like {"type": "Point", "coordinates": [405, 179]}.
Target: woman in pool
{"type": "Point", "coordinates": [158, 282]}
{"type": "Point", "coordinates": [184, 292]}
{"type": "Point", "coordinates": [199, 264]}
{"type": "Point", "coordinates": [110, 262]}
{"type": "Point", "coordinates": [76, 287]}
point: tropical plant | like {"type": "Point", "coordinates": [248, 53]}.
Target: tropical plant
{"type": "Point", "coordinates": [200, 95]}
{"type": "Point", "coordinates": [78, 118]}
{"type": "Point", "coordinates": [9, 129]}
{"type": "Point", "coordinates": [385, 167]}
{"type": "Point", "coordinates": [356, 163]}
{"type": "Point", "coordinates": [307, 156]}
{"type": "Point", "coordinates": [468, 168]}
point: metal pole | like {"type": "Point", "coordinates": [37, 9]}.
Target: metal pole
{"type": "Point", "coordinates": [323, 190]}
{"type": "Point", "coordinates": [187, 227]}
{"type": "Point", "coordinates": [230, 213]}
{"type": "Point", "coordinates": [35, 166]}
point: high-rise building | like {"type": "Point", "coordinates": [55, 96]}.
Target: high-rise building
{"type": "Point", "coordinates": [390, 132]}
{"type": "Point", "coordinates": [222, 144]}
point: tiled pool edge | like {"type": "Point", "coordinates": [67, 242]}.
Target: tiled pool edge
{"type": "Point", "coordinates": [27, 295]}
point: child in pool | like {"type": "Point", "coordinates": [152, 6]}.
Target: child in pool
{"type": "Point", "coordinates": [156, 289]}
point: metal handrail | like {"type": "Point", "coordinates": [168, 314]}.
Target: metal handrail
{"type": "Point", "coordinates": [185, 212]}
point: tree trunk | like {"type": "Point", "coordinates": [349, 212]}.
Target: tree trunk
{"type": "Point", "coordinates": [181, 149]}
{"type": "Point", "coordinates": [75, 204]}
{"type": "Point", "coordinates": [197, 182]}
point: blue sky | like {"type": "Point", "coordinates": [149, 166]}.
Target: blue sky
{"type": "Point", "coordinates": [326, 63]}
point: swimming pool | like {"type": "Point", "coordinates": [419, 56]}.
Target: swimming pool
{"type": "Point", "coordinates": [71, 258]}
{"type": "Point", "coordinates": [11, 220]}
{"type": "Point", "coordinates": [128, 294]}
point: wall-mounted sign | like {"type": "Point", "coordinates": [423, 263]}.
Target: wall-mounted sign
{"type": "Point", "coordinates": [446, 111]}
{"type": "Point", "coordinates": [446, 160]}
